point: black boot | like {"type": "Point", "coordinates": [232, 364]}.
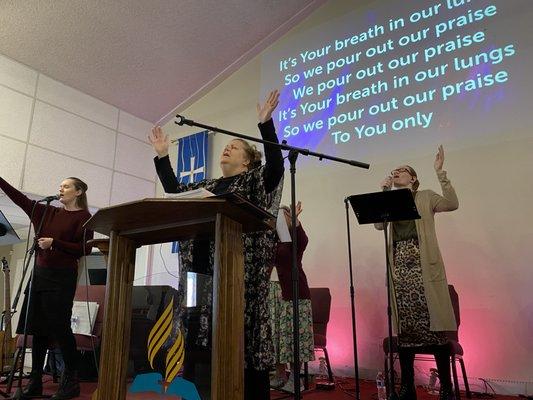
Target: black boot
{"type": "Point", "coordinates": [34, 386]}
{"type": "Point", "coordinates": [407, 360]}
{"type": "Point", "coordinates": [407, 392]}
{"type": "Point", "coordinates": [69, 387]}
{"type": "Point", "coordinates": [446, 393]}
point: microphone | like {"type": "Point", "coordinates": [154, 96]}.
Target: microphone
{"type": "Point", "coordinates": [48, 199]}
{"type": "Point", "coordinates": [181, 120]}
{"type": "Point", "coordinates": [387, 188]}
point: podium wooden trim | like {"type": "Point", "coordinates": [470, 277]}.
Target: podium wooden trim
{"type": "Point", "coordinates": [150, 221]}
{"type": "Point", "coordinates": [228, 293]}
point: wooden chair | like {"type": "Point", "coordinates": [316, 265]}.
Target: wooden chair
{"type": "Point", "coordinates": [321, 305]}
{"type": "Point", "coordinates": [456, 350]}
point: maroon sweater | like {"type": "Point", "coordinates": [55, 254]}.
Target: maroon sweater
{"type": "Point", "coordinates": [65, 227]}
{"type": "Point", "coordinates": [284, 266]}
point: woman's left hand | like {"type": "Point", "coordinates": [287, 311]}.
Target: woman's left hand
{"type": "Point", "coordinates": [264, 112]}
{"type": "Point", "coordinates": [439, 159]}
{"type": "Point", "coordinates": [45, 243]}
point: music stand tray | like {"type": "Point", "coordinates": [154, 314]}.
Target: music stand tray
{"type": "Point", "coordinates": [388, 206]}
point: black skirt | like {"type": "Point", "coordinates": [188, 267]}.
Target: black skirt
{"type": "Point", "coordinates": [51, 300]}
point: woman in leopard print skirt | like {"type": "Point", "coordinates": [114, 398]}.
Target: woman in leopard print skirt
{"type": "Point", "coordinates": [421, 302]}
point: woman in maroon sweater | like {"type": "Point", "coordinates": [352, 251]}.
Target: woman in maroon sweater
{"type": "Point", "coordinates": [58, 249]}
{"type": "Point", "coordinates": [280, 301]}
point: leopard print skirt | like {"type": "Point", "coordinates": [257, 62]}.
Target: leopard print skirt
{"type": "Point", "coordinates": [413, 313]}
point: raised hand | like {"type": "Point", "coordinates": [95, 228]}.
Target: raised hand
{"type": "Point", "coordinates": [159, 141]}
{"type": "Point", "coordinates": [439, 159]}
{"type": "Point", "coordinates": [299, 209]}
{"type": "Point", "coordinates": [264, 112]}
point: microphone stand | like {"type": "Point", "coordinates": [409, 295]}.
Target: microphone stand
{"type": "Point", "coordinates": [22, 353]}
{"type": "Point", "coordinates": [392, 395]}
{"type": "Point", "coordinates": [24, 271]}
{"type": "Point", "coordinates": [48, 200]}
{"type": "Point", "coordinates": [352, 302]}
{"type": "Point", "coordinates": [293, 156]}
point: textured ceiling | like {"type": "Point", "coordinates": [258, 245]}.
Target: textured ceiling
{"type": "Point", "coordinates": [146, 57]}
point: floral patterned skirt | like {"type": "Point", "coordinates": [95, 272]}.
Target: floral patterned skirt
{"type": "Point", "coordinates": [281, 322]}
{"type": "Point", "coordinates": [411, 303]}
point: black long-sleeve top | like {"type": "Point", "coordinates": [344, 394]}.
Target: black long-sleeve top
{"type": "Point", "coordinates": [272, 172]}
{"type": "Point", "coordinates": [284, 266]}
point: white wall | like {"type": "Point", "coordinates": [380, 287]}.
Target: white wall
{"type": "Point", "coordinates": [49, 131]}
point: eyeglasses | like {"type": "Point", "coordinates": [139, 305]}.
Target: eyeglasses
{"type": "Point", "coordinates": [400, 170]}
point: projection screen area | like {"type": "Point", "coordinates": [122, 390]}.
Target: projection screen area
{"type": "Point", "coordinates": [405, 75]}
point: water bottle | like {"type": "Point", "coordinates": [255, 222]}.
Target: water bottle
{"type": "Point", "coordinates": [322, 370]}
{"type": "Point", "coordinates": [74, 323]}
{"type": "Point", "coordinates": [432, 384]}
{"type": "Point", "coordinates": [380, 385]}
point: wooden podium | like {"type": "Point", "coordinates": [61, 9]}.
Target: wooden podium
{"type": "Point", "coordinates": [151, 221]}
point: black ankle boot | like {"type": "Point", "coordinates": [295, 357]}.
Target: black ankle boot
{"type": "Point", "coordinates": [34, 386]}
{"type": "Point", "coordinates": [407, 392]}
{"type": "Point", "coordinates": [446, 394]}
{"type": "Point", "coordinates": [69, 387]}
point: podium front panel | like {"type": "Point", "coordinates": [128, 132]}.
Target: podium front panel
{"type": "Point", "coordinates": [155, 337]}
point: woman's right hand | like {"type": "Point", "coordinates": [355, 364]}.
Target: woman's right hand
{"type": "Point", "coordinates": [299, 209]}
{"type": "Point", "coordinates": [159, 141]}
{"type": "Point", "coordinates": [386, 184]}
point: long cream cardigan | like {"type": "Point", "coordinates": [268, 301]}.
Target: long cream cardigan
{"type": "Point", "coordinates": [439, 304]}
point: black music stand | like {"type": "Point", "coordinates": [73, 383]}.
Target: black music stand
{"type": "Point", "coordinates": [8, 236]}
{"type": "Point", "coordinates": [382, 208]}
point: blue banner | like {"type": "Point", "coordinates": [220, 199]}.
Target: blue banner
{"type": "Point", "coordinates": [192, 158]}
{"type": "Point", "coordinates": [192, 162]}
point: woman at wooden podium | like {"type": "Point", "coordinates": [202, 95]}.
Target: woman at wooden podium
{"type": "Point", "coordinates": [420, 296]}
{"type": "Point", "coordinates": [59, 248]}
{"type": "Point", "coordinates": [242, 172]}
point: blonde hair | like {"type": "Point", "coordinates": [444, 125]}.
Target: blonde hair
{"type": "Point", "coordinates": [253, 155]}
{"type": "Point", "coordinates": [81, 200]}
